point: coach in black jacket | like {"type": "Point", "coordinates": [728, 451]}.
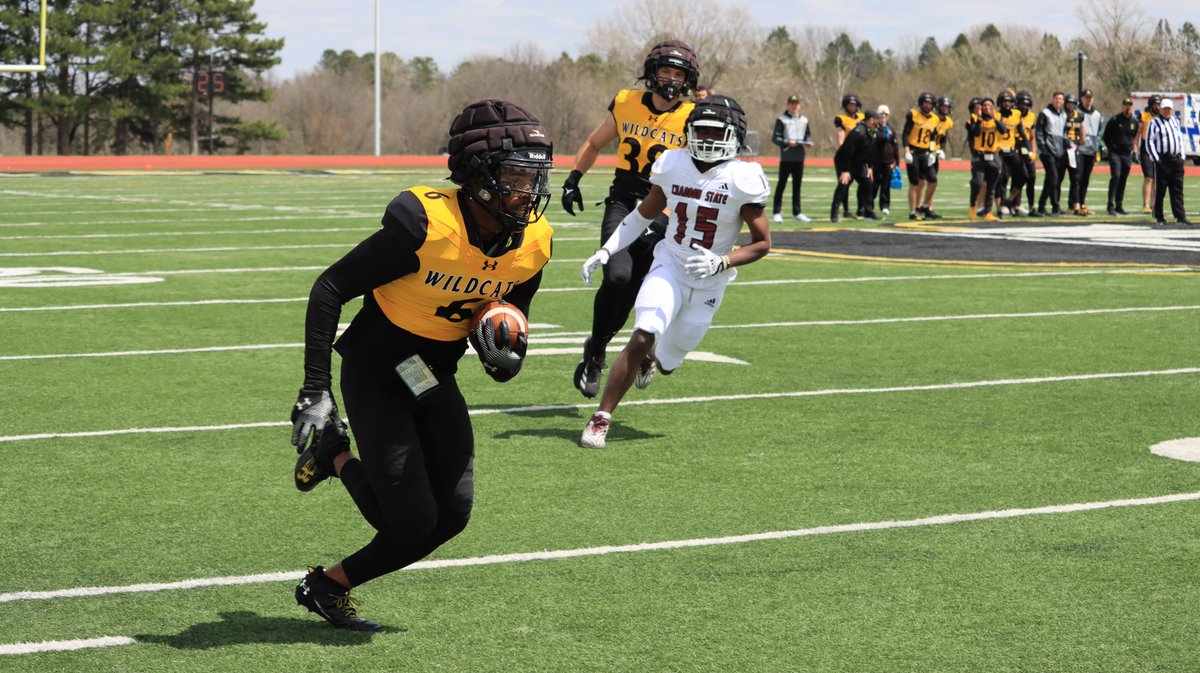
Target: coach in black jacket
{"type": "Point", "coordinates": [1119, 134]}
{"type": "Point", "coordinates": [852, 162]}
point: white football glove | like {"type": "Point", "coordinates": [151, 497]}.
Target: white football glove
{"type": "Point", "coordinates": [597, 260]}
{"type": "Point", "coordinates": [907, 156]}
{"type": "Point", "coordinates": [941, 155]}
{"type": "Point", "coordinates": [705, 264]}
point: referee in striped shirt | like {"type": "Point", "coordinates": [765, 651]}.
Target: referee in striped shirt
{"type": "Point", "coordinates": [1164, 144]}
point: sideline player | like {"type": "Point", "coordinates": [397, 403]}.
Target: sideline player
{"type": "Point", "coordinates": [442, 252]}
{"type": "Point", "coordinates": [985, 131]}
{"type": "Point", "coordinates": [945, 105]}
{"type": "Point", "coordinates": [646, 123]}
{"type": "Point", "coordinates": [709, 195]}
{"type": "Point", "coordinates": [843, 123]}
{"type": "Point", "coordinates": [920, 126]}
{"type": "Point", "coordinates": [1012, 168]}
{"type": "Point", "coordinates": [1028, 149]}
{"type": "Point", "coordinates": [1140, 155]}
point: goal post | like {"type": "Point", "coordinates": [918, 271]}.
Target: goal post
{"type": "Point", "coordinates": [40, 66]}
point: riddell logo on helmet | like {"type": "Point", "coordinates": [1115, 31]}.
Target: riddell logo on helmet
{"type": "Point", "coordinates": [540, 156]}
{"type": "Point", "coordinates": [536, 134]}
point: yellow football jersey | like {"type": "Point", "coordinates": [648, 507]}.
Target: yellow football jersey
{"type": "Point", "coordinates": [845, 121]}
{"type": "Point", "coordinates": [944, 124]}
{"type": "Point", "coordinates": [643, 134]}
{"type": "Point", "coordinates": [1008, 139]}
{"type": "Point", "coordinates": [455, 277]}
{"type": "Point", "coordinates": [1074, 126]}
{"type": "Point", "coordinates": [989, 136]}
{"type": "Point", "coordinates": [1028, 120]}
{"type": "Point", "coordinates": [924, 127]}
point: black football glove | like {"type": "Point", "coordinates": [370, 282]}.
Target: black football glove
{"type": "Point", "coordinates": [500, 361]}
{"type": "Point", "coordinates": [313, 410]}
{"type": "Point", "coordinates": [571, 195]}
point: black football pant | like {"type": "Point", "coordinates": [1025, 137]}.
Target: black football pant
{"type": "Point", "coordinates": [882, 188]}
{"type": "Point", "coordinates": [1012, 178]}
{"type": "Point", "coordinates": [1072, 175]}
{"type": "Point", "coordinates": [841, 194]}
{"type": "Point", "coordinates": [414, 478]}
{"type": "Point", "coordinates": [1168, 176]}
{"type": "Point", "coordinates": [1086, 162]}
{"type": "Point", "coordinates": [794, 170]}
{"type": "Point", "coordinates": [986, 176]}
{"type": "Point", "coordinates": [1030, 180]}
{"type": "Point", "coordinates": [623, 274]}
{"type": "Point", "coordinates": [1052, 183]}
{"type": "Point", "coordinates": [1119, 166]}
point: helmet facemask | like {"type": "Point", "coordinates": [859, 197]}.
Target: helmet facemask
{"type": "Point", "coordinates": [513, 187]}
{"type": "Point", "coordinates": [712, 151]}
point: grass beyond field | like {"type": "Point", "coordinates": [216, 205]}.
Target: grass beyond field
{"type": "Point", "coordinates": [781, 505]}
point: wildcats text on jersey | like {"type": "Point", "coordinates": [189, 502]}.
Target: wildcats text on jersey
{"type": "Point", "coordinates": [484, 287]}
{"type": "Point", "coordinates": [659, 135]}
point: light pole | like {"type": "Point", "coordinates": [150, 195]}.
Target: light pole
{"type": "Point", "coordinates": [378, 60]}
{"type": "Point", "coordinates": [1080, 58]}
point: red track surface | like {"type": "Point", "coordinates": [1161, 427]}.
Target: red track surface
{"type": "Point", "coordinates": [297, 162]}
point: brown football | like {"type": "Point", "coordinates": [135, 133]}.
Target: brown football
{"type": "Point", "coordinates": [502, 312]}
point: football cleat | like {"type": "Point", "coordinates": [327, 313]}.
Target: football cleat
{"type": "Point", "coordinates": [990, 217]}
{"type": "Point", "coordinates": [972, 214]}
{"type": "Point", "coordinates": [331, 601]}
{"type": "Point", "coordinates": [587, 373]}
{"type": "Point", "coordinates": [931, 215]}
{"type": "Point", "coordinates": [777, 218]}
{"type": "Point", "coordinates": [595, 432]}
{"type": "Point", "coordinates": [801, 217]}
{"type": "Point", "coordinates": [645, 373]}
{"type": "Point", "coordinates": [315, 463]}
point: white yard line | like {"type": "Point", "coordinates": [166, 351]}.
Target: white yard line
{"type": "Point", "coordinates": [185, 220]}
{"type": "Point", "coordinates": [229, 232]}
{"type": "Point", "coordinates": [667, 545]}
{"type": "Point", "coordinates": [491, 411]}
{"type": "Point", "coordinates": [577, 337]}
{"type": "Point", "coordinates": [66, 645]}
{"type": "Point", "coordinates": [155, 251]}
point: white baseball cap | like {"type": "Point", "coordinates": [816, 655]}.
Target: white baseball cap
{"type": "Point", "coordinates": [884, 110]}
{"type": "Point", "coordinates": [1166, 102]}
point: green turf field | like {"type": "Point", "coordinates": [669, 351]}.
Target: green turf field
{"type": "Point", "coordinates": [789, 495]}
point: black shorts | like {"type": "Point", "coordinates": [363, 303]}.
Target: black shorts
{"type": "Point", "coordinates": [1146, 164]}
{"type": "Point", "coordinates": [919, 168]}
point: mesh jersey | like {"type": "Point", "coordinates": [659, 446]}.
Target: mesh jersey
{"type": "Point", "coordinates": [944, 124]}
{"type": "Point", "coordinates": [924, 126]}
{"type": "Point", "coordinates": [455, 277]}
{"type": "Point", "coordinates": [988, 138]}
{"type": "Point", "coordinates": [1028, 121]}
{"type": "Point", "coordinates": [1012, 120]}
{"type": "Point", "coordinates": [848, 122]}
{"type": "Point", "coordinates": [705, 208]}
{"type": "Point", "coordinates": [643, 134]}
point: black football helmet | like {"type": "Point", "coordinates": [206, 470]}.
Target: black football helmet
{"type": "Point", "coordinates": [716, 111]}
{"type": "Point", "coordinates": [851, 99]}
{"type": "Point", "coordinates": [1154, 102]}
{"type": "Point", "coordinates": [1024, 100]}
{"type": "Point", "coordinates": [925, 97]}
{"type": "Point", "coordinates": [1006, 100]}
{"type": "Point", "coordinates": [498, 149]}
{"type": "Point", "coordinates": [1070, 99]}
{"type": "Point", "coordinates": [675, 54]}
{"type": "Point", "coordinates": [946, 102]}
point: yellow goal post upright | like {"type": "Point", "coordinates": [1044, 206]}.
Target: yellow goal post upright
{"type": "Point", "coordinates": [40, 66]}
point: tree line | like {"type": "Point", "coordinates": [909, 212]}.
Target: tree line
{"type": "Point", "coordinates": [120, 72]}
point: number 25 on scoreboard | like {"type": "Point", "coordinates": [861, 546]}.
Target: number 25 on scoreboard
{"type": "Point", "coordinates": [209, 82]}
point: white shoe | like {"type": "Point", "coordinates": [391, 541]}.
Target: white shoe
{"type": "Point", "coordinates": [778, 217]}
{"type": "Point", "coordinates": [645, 373]}
{"type": "Point", "coordinates": [886, 211]}
{"type": "Point", "coordinates": [1004, 210]}
{"type": "Point", "coordinates": [802, 218]}
{"type": "Point", "coordinates": [595, 432]}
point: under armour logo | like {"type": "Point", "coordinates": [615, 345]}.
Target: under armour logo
{"type": "Point", "coordinates": [301, 405]}
{"type": "Point", "coordinates": [711, 303]}
{"type": "Point", "coordinates": [489, 266]}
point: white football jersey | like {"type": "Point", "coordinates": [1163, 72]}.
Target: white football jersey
{"type": "Point", "coordinates": [705, 208]}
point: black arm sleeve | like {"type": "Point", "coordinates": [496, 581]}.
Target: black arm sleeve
{"type": "Point", "coordinates": [383, 257]}
{"type": "Point", "coordinates": [908, 125]}
{"type": "Point", "coordinates": [521, 296]}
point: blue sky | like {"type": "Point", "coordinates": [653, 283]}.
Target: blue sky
{"type": "Point", "coordinates": [453, 30]}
